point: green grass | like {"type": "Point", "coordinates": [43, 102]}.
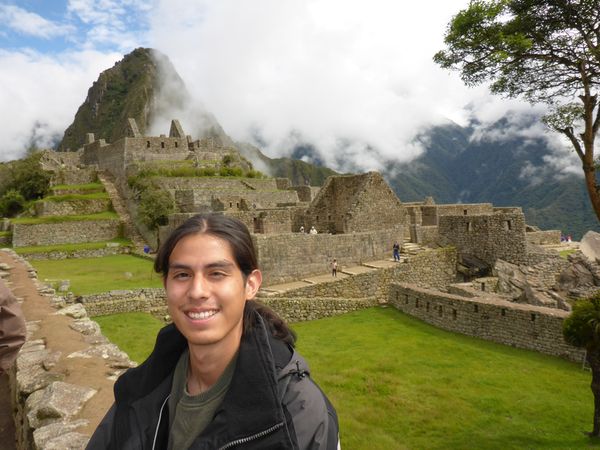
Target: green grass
{"type": "Point", "coordinates": [94, 275]}
{"type": "Point", "coordinates": [106, 215]}
{"type": "Point", "coordinates": [135, 332]}
{"type": "Point", "coordinates": [565, 253]}
{"type": "Point", "coordinates": [398, 383]}
{"type": "Point", "coordinates": [71, 247]}
{"type": "Point", "coordinates": [79, 187]}
{"type": "Point", "coordinates": [5, 233]}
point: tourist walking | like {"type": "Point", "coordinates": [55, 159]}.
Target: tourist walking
{"type": "Point", "coordinates": [225, 373]}
{"type": "Point", "coordinates": [334, 267]}
{"type": "Point", "coordinates": [396, 251]}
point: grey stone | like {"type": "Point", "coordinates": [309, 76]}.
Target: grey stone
{"type": "Point", "coordinates": [69, 441]}
{"type": "Point", "coordinates": [45, 434]}
{"type": "Point", "coordinates": [85, 326]}
{"type": "Point", "coordinates": [64, 286]}
{"type": "Point", "coordinates": [4, 266]}
{"type": "Point", "coordinates": [57, 402]}
{"type": "Point", "coordinates": [77, 311]}
{"type": "Point", "coordinates": [590, 245]}
{"type": "Point", "coordinates": [34, 378]}
{"type": "Point", "coordinates": [4, 274]}
{"type": "Point", "coordinates": [105, 351]}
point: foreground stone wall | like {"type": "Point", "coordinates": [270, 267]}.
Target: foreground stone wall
{"type": "Point", "coordinates": [292, 256]}
{"type": "Point", "coordinates": [488, 317]}
{"type": "Point", "coordinates": [26, 235]}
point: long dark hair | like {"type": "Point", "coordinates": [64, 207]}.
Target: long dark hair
{"type": "Point", "coordinates": [237, 235]}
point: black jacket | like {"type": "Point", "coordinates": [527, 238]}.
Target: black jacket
{"type": "Point", "coordinates": [271, 403]}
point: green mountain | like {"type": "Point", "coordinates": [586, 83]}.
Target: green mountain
{"type": "Point", "coordinates": [457, 168]}
{"type": "Point", "coordinates": [128, 89]}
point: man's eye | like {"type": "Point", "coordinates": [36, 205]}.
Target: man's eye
{"type": "Point", "coordinates": [218, 274]}
{"type": "Point", "coordinates": [180, 275]}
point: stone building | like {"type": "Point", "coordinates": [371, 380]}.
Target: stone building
{"type": "Point", "coordinates": [355, 203]}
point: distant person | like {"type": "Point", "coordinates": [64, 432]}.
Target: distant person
{"type": "Point", "coordinates": [12, 328]}
{"type": "Point", "coordinates": [302, 229]}
{"type": "Point", "coordinates": [313, 230]}
{"type": "Point", "coordinates": [334, 267]}
{"type": "Point", "coordinates": [396, 251]}
{"type": "Point", "coordinates": [146, 249]}
{"type": "Point", "coordinates": [225, 373]}
{"type": "Point", "coordinates": [563, 238]}
{"type": "Point", "coordinates": [569, 239]}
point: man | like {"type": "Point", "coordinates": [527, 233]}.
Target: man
{"type": "Point", "coordinates": [225, 373]}
{"type": "Point", "coordinates": [12, 328]}
{"type": "Point", "coordinates": [396, 251]}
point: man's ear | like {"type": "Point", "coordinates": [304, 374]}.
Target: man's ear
{"type": "Point", "coordinates": [253, 282]}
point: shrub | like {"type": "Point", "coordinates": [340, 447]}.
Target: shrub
{"type": "Point", "coordinates": [12, 203]}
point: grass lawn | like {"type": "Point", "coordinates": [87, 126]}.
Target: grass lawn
{"type": "Point", "coordinates": [106, 215]}
{"type": "Point", "coordinates": [135, 332]}
{"type": "Point", "coordinates": [71, 247]}
{"type": "Point", "coordinates": [398, 383]}
{"type": "Point", "coordinates": [93, 275]}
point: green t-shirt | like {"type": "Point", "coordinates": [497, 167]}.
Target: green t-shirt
{"type": "Point", "coordinates": [190, 414]}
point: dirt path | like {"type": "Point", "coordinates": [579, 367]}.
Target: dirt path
{"type": "Point", "coordinates": [59, 337]}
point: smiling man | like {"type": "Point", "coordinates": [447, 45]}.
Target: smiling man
{"type": "Point", "coordinates": [225, 374]}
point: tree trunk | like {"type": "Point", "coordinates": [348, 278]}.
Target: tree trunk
{"type": "Point", "coordinates": [593, 357]}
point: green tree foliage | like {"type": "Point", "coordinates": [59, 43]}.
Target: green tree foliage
{"type": "Point", "coordinates": [155, 206]}
{"type": "Point", "coordinates": [25, 176]}
{"type": "Point", "coordinates": [11, 203]}
{"type": "Point", "coordinates": [547, 51]}
{"type": "Point", "coordinates": [582, 329]}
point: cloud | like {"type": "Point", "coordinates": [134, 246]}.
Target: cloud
{"type": "Point", "coordinates": [41, 94]}
{"type": "Point", "coordinates": [32, 24]}
{"type": "Point", "coordinates": [329, 71]}
{"type": "Point", "coordinates": [109, 23]}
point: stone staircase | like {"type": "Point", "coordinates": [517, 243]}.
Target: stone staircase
{"type": "Point", "coordinates": [131, 230]}
{"type": "Point", "coordinates": [410, 248]}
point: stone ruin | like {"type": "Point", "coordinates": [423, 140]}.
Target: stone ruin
{"type": "Point", "coordinates": [471, 268]}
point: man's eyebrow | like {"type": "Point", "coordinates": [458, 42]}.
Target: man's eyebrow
{"type": "Point", "coordinates": [223, 264]}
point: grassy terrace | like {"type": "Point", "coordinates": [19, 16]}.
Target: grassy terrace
{"type": "Point", "coordinates": [398, 383]}
{"type": "Point", "coordinates": [106, 215]}
{"type": "Point", "coordinates": [78, 187]}
{"type": "Point", "coordinates": [71, 247]}
{"type": "Point", "coordinates": [94, 275]}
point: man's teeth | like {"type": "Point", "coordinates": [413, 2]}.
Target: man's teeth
{"type": "Point", "coordinates": [201, 315]}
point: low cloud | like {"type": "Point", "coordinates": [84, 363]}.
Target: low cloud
{"type": "Point", "coordinates": [41, 94]}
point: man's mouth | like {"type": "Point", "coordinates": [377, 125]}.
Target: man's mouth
{"type": "Point", "coordinates": [201, 315]}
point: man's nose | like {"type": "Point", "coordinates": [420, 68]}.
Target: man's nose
{"type": "Point", "coordinates": [198, 287]}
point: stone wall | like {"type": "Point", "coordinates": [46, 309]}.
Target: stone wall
{"type": "Point", "coordinates": [73, 175]}
{"type": "Point", "coordinates": [71, 207]}
{"type": "Point", "coordinates": [26, 235]}
{"type": "Point", "coordinates": [216, 183]}
{"type": "Point", "coordinates": [488, 317]}
{"type": "Point", "coordinates": [115, 302]}
{"type": "Point", "coordinates": [292, 256]}
{"type": "Point", "coordinates": [75, 254]}
{"type": "Point", "coordinates": [430, 214]}
{"type": "Point", "coordinates": [489, 237]}
{"type": "Point", "coordinates": [433, 268]}
{"type": "Point", "coordinates": [191, 200]}
{"type": "Point", "coordinates": [543, 237]}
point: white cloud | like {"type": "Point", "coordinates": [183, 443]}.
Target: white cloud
{"type": "Point", "coordinates": [328, 70]}
{"type": "Point", "coordinates": [41, 95]}
{"type": "Point", "coordinates": [32, 24]}
{"type": "Point", "coordinates": [117, 24]}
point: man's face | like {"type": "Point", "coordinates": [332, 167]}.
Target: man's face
{"type": "Point", "coordinates": [206, 291]}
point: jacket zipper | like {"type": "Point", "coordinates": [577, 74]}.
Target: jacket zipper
{"type": "Point", "coordinates": [159, 419]}
{"type": "Point", "coordinates": [247, 439]}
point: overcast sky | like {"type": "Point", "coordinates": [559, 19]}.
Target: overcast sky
{"type": "Point", "coordinates": [342, 75]}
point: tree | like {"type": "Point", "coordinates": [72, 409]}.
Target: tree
{"type": "Point", "coordinates": [155, 206]}
{"type": "Point", "coordinates": [546, 51]}
{"type": "Point", "coordinates": [582, 329]}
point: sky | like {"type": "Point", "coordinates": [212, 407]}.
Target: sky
{"type": "Point", "coordinates": [354, 78]}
